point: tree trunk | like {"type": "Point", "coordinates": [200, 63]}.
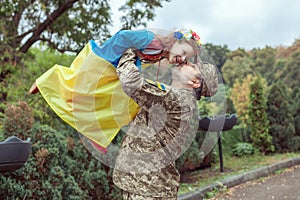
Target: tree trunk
{"type": "Point", "coordinates": [51, 18]}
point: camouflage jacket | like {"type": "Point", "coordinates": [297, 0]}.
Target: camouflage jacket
{"type": "Point", "coordinates": [161, 131]}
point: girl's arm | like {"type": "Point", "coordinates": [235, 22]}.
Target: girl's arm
{"type": "Point", "coordinates": [114, 47]}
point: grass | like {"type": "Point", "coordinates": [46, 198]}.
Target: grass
{"type": "Point", "coordinates": [233, 166]}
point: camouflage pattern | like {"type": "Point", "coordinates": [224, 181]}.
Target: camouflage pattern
{"type": "Point", "coordinates": [130, 196]}
{"type": "Point", "coordinates": [209, 77]}
{"type": "Point", "coordinates": [162, 130]}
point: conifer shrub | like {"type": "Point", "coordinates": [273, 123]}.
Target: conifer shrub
{"type": "Point", "coordinates": [258, 118]}
{"type": "Point", "coordinates": [59, 166]}
{"type": "Point", "coordinates": [282, 122]}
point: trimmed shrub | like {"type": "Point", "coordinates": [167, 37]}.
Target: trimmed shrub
{"type": "Point", "coordinates": [258, 118]}
{"type": "Point", "coordinates": [59, 166]}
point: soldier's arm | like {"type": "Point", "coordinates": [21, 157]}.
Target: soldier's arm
{"type": "Point", "coordinates": [129, 75]}
{"type": "Point", "coordinates": [209, 78]}
{"type": "Point", "coordinates": [133, 83]}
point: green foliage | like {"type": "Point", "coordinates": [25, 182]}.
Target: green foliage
{"type": "Point", "coordinates": [272, 64]}
{"type": "Point", "coordinates": [10, 189]}
{"type": "Point", "coordinates": [291, 71]}
{"type": "Point", "coordinates": [264, 62]}
{"type": "Point", "coordinates": [18, 119]}
{"type": "Point", "coordinates": [281, 119]}
{"type": "Point", "coordinates": [267, 62]}
{"type": "Point", "coordinates": [212, 193]}
{"type": "Point", "coordinates": [258, 119]}
{"type": "Point", "coordinates": [7, 68]}
{"type": "Point", "coordinates": [229, 105]}
{"type": "Point", "coordinates": [239, 94]}
{"type": "Point", "coordinates": [53, 170]}
{"type": "Point", "coordinates": [237, 67]}
{"type": "Point", "coordinates": [203, 107]}
{"type": "Point", "coordinates": [135, 11]}
{"type": "Point", "coordinates": [37, 63]}
{"type": "Point", "coordinates": [241, 63]}
{"type": "Point", "coordinates": [230, 138]}
{"type": "Point", "coordinates": [277, 70]}
{"type": "Point", "coordinates": [243, 149]}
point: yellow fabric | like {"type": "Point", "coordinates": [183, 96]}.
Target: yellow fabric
{"type": "Point", "coordinates": [88, 96]}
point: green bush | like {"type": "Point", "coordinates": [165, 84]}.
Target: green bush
{"type": "Point", "coordinates": [18, 120]}
{"type": "Point", "coordinates": [243, 149]}
{"type": "Point", "coordinates": [280, 115]}
{"type": "Point", "coordinates": [59, 166]}
{"type": "Point", "coordinates": [258, 116]}
{"type": "Point", "coordinates": [230, 138]}
{"type": "Point", "coordinates": [56, 171]}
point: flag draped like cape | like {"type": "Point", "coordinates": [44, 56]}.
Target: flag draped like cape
{"type": "Point", "coordinates": [88, 95]}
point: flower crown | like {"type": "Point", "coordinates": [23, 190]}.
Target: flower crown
{"type": "Point", "coordinates": [187, 34]}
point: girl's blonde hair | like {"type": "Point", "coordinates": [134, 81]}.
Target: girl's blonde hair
{"type": "Point", "coordinates": [169, 40]}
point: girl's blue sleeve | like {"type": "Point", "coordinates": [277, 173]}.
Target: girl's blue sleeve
{"type": "Point", "coordinates": [113, 48]}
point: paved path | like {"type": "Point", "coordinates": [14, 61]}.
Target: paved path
{"type": "Point", "coordinates": [285, 185]}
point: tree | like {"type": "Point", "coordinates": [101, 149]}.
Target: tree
{"type": "Point", "coordinates": [291, 71]}
{"type": "Point", "coordinates": [264, 62]}
{"type": "Point", "coordinates": [257, 61]}
{"type": "Point", "coordinates": [239, 95]}
{"type": "Point", "coordinates": [237, 66]}
{"type": "Point", "coordinates": [237, 53]}
{"type": "Point", "coordinates": [281, 119]}
{"type": "Point", "coordinates": [285, 52]}
{"type": "Point", "coordinates": [258, 119]}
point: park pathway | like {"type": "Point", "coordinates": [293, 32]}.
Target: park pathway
{"type": "Point", "coordinates": [285, 185]}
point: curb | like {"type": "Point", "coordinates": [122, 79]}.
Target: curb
{"type": "Point", "coordinates": [200, 193]}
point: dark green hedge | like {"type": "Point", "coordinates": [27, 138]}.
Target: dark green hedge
{"type": "Point", "coordinates": [59, 166]}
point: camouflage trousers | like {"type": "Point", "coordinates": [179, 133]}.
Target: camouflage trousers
{"type": "Point", "coordinates": [130, 196]}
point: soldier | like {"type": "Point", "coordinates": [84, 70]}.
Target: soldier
{"type": "Point", "coordinates": [162, 130]}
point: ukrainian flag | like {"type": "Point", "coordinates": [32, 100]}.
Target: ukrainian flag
{"type": "Point", "coordinates": [88, 95]}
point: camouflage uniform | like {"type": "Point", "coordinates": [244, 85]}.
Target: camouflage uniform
{"type": "Point", "coordinates": [209, 78]}
{"type": "Point", "coordinates": [159, 134]}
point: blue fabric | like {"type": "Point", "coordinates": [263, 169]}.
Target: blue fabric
{"type": "Point", "coordinates": [112, 49]}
